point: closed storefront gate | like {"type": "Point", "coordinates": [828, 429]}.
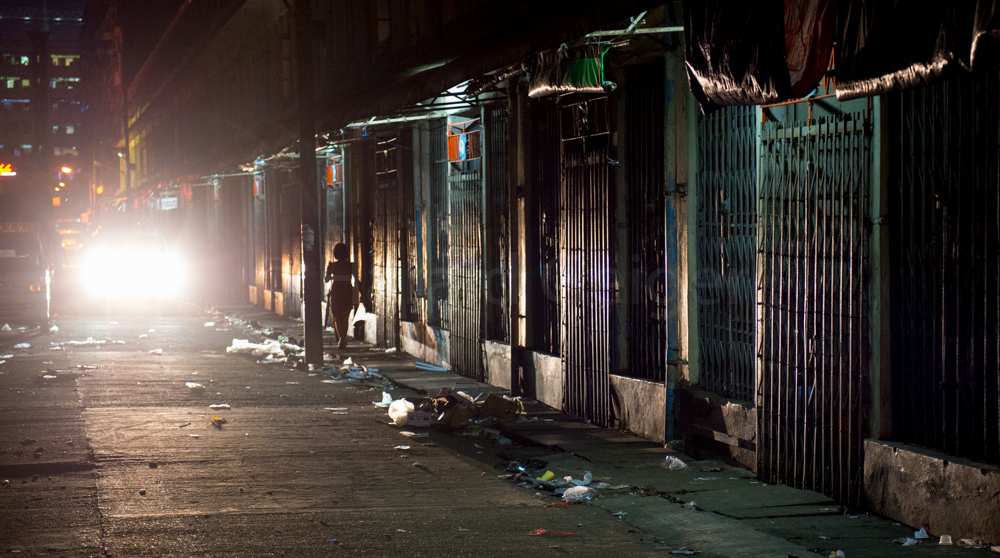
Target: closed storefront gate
{"type": "Point", "coordinates": [813, 330]}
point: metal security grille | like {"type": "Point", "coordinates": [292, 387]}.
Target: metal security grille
{"type": "Point", "coordinates": [546, 302]}
{"type": "Point", "coordinates": [727, 251]}
{"type": "Point", "coordinates": [496, 121]}
{"type": "Point", "coordinates": [944, 199]}
{"type": "Point", "coordinates": [588, 286]}
{"type": "Point", "coordinates": [644, 293]}
{"type": "Point", "coordinates": [437, 227]}
{"type": "Point", "coordinates": [385, 232]}
{"type": "Point", "coordinates": [465, 263]}
{"type": "Point", "coordinates": [410, 305]}
{"type": "Point", "coordinates": [814, 259]}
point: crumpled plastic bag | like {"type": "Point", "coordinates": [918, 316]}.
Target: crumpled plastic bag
{"type": "Point", "coordinates": [399, 410]}
{"type": "Point", "coordinates": [674, 464]}
{"type": "Point", "coordinates": [579, 494]}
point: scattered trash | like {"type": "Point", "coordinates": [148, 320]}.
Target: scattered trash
{"type": "Point", "coordinates": [711, 469]}
{"type": "Point", "coordinates": [824, 537]}
{"type": "Point", "coordinates": [401, 447]}
{"type": "Point", "coordinates": [54, 329]}
{"type": "Point", "coordinates": [195, 435]}
{"type": "Point", "coordinates": [945, 539]}
{"type": "Point", "coordinates": [691, 505]}
{"type": "Point", "coordinates": [386, 400]}
{"type": "Point", "coordinates": [579, 494]}
{"type": "Point", "coordinates": [409, 434]}
{"type": "Point", "coordinates": [969, 543]}
{"type": "Point", "coordinates": [399, 410]}
{"type": "Point", "coordinates": [194, 385]}
{"type": "Point", "coordinates": [674, 463]}
{"type": "Point", "coordinates": [685, 551]}
{"type": "Point", "coordinates": [142, 492]}
{"type": "Point", "coordinates": [185, 425]}
{"type": "Point", "coordinates": [23, 346]}
{"type": "Point", "coordinates": [156, 351]}
{"type": "Point", "coordinates": [429, 367]}
{"type": "Point", "coordinates": [921, 534]}
{"type": "Point", "coordinates": [6, 327]}
{"type": "Point", "coordinates": [390, 350]}
{"type": "Point", "coordinates": [209, 324]}
{"type": "Point", "coordinates": [905, 541]}
{"type": "Point", "coordinates": [547, 476]}
{"type": "Point", "coordinates": [417, 464]}
{"type": "Point", "coordinates": [87, 366]}
{"type": "Point", "coordinates": [621, 514]}
{"type": "Point", "coordinates": [220, 406]}
{"type": "Point", "coordinates": [336, 409]}
{"type": "Point", "coordinates": [538, 532]}
{"type": "Point", "coordinates": [588, 477]}
{"type": "Point", "coordinates": [838, 554]}
{"type": "Point", "coordinates": [218, 422]}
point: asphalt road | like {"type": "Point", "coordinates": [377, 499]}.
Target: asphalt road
{"type": "Point", "coordinates": [105, 451]}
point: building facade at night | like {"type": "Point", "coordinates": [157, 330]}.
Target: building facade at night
{"type": "Point", "coordinates": [803, 280]}
{"type": "Point", "coordinates": [43, 118]}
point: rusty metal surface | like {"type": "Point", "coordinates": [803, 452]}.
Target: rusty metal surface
{"type": "Point", "coordinates": [545, 299]}
{"type": "Point", "coordinates": [465, 265]}
{"type": "Point", "coordinates": [813, 254]}
{"type": "Point", "coordinates": [727, 246]}
{"type": "Point", "coordinates": [944, 230]}
{"type": "Point", "coordinates": [588, 286]}
{"type": "Point", "coordinates": [496, 124]}
{"type": "Point", "coordinates": [644, 282]}
{"type": "Point", "coordinates": [385, 233]}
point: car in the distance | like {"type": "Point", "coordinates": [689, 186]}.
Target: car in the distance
{"type": "Point", "coordinates": [130, 269]}
{"type": "Point", "coordinates": [25, 278]}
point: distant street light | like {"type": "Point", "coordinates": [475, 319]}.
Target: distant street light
{"type": "Point", "coordinates": [66, 170]}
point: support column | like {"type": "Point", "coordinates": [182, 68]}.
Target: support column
{"type": "Point", "coordinates": [312, 288]}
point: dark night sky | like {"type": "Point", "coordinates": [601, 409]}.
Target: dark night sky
{"type": "Point", "coordinates": [142, 21]}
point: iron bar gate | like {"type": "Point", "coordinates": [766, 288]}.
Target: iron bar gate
{"type": "Point", "coordinates": [385, 235]}
{"type": "Point", "coordinates": [645, 290]}
{"type": "Point", "coordinates": [545, 301]}
{"type": "Point", "coordinates": [496, 124]}
{"type": "Point", "coordinates": [944, 199]}
{"type": "Point", "coordinates": [727, 251]}
{"type": "Point", "coordinates": [814, 257]}
{"type": "Point", "coordinates": [589, 291]}
{"type": "Point", "coordinates": [465, 264]}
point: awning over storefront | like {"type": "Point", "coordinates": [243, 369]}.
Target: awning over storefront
{"type": "Point", "coordinates": [766, 51]}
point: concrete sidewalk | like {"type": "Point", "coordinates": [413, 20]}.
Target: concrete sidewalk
{"type": "Point", "coordinates": [710, 507]}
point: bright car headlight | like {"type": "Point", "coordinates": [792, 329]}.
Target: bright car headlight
{"type": "Point", "coordinates": [133, 274]}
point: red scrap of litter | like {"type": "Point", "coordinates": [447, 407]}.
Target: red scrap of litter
{"type": "Point", "coordinates": [562, 505]}
{"type": "Point", "coordinates": [547, 532]}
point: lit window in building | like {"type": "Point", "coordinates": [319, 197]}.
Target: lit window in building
{"type": "Point", "coordinates": [55, 129]}
{"type": "Point", "coordinates": [24, 60]}
{"type": "Point", "coordinates": [69, 128]}
{"type": "Point", "coordinates": [25, 83]}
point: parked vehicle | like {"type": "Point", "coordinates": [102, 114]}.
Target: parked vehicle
{"type": "Point", "coordinates": [25, 277]}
